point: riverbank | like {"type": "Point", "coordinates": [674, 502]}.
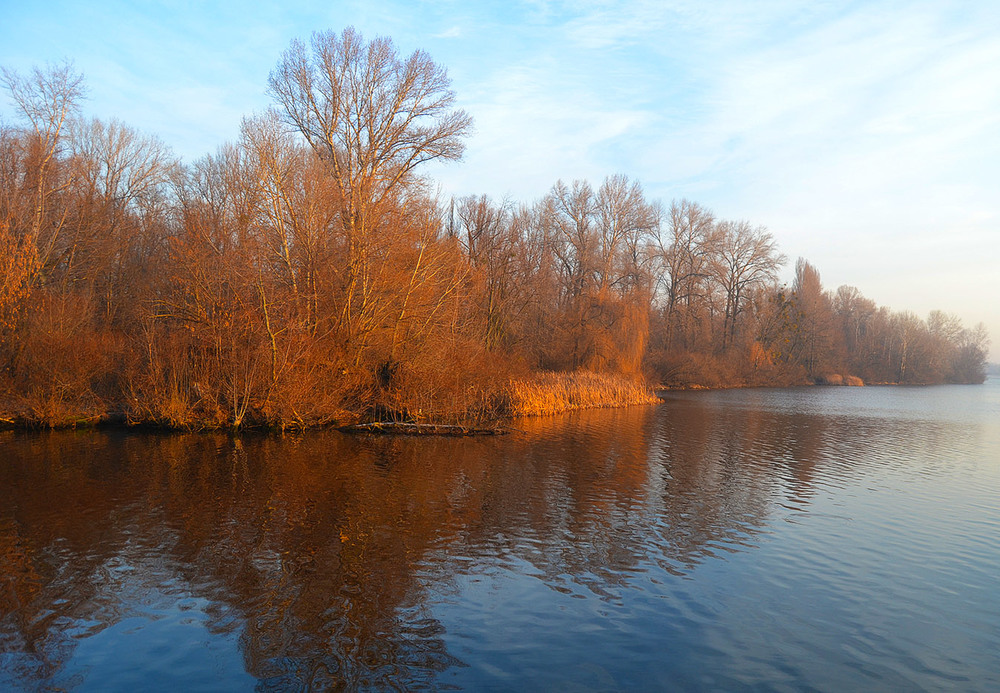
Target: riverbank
{"type": "Point", "coordinates": [541, 394]}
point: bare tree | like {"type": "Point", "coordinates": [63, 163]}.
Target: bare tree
{"type": "Point", "coordinates": [683, 252]}
{"type": "Point", "coordinates": [813, 318]}
{"type": "Point", "coordinates": [910, 344]}
{"type": "Point", "coordinates": [627, 222]}
{"type": "Point", "coordinates": [375, 118]}
{"type": "Point", "coordinates": [854, 312]}
{"type": "Point", "coordinates": [598, 241]}
{"type": "Point", "coordinates": [490, 240]}
{"type": "Point", "coordinates": [120, 179]}
{"type": "Point", "coordinates": [746, 257]}
{"type": "Point", "coordinates": [969, 365]}
{"type": "Point", "coordinates": [47, 99]}
{"type": "Point", "coordinates": [575, 241]}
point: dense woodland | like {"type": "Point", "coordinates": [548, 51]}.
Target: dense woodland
{"type": "Point", "coordinates": [308, 273]}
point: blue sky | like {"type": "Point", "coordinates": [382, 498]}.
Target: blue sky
{"type": "Point", "coordinates": [864, 135]}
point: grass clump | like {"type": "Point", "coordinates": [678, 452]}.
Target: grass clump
{"type": "Point", "coordinates": [551, 393]}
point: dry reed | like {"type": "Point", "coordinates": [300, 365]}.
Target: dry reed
{"type": "Point", "coordinates": [551, 393]}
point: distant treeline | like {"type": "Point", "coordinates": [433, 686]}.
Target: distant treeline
{"type": "Point", "coordinates": [306, 273]}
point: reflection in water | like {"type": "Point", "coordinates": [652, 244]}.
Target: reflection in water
{"type": "Point", "coordinates": [305, 546]}
{"type": "Point", "coordinates": [336, 562]}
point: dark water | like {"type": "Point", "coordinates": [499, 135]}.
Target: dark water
{"type": "Point", "coordinates": [833, 539]}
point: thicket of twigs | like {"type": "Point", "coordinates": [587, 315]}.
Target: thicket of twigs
{"type": "Point", "coordinates": [305, 275]}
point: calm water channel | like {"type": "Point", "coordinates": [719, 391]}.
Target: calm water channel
{"type": "Point", "coordinates": [823, 538]}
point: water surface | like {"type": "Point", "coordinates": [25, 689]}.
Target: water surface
{"type": "Point", "coordinates": [804, 539]}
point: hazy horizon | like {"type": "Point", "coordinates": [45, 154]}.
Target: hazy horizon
{"type": "Point", "coordinates": [863, 136]}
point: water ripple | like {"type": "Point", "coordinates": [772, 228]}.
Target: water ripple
{"type": "Point", "coordinates": [814, 539]}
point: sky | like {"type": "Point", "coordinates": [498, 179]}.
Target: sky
{"type": "Point", "coordinates": [864, 135]}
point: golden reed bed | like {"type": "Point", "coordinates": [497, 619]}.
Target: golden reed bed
{"type": "Point", "coordinates": [551, 393]}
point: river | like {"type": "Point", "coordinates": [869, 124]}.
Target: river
{"type": "Point", "coordinates": [798, 539]}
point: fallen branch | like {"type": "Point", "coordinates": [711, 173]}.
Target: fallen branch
{"type": "Point", "coordinates": [420, 429]}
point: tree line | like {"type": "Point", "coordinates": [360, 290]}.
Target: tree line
{"type": "Point", "coordinates": [307, 272]}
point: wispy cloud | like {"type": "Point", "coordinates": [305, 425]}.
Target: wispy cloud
{"type": "Point", "coordinates": [450, 32]}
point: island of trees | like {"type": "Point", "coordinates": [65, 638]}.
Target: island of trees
{"type": "Point", "coordinates": [308, 274]}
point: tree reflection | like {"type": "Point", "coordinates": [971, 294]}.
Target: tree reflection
{"type": "Point", "coordinates": [320, 550]}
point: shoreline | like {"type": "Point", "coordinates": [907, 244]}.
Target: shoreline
{"type": "Point", "coordinates": [551, 394]}
{"type": "Point", "coordinates": [542, 394]}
